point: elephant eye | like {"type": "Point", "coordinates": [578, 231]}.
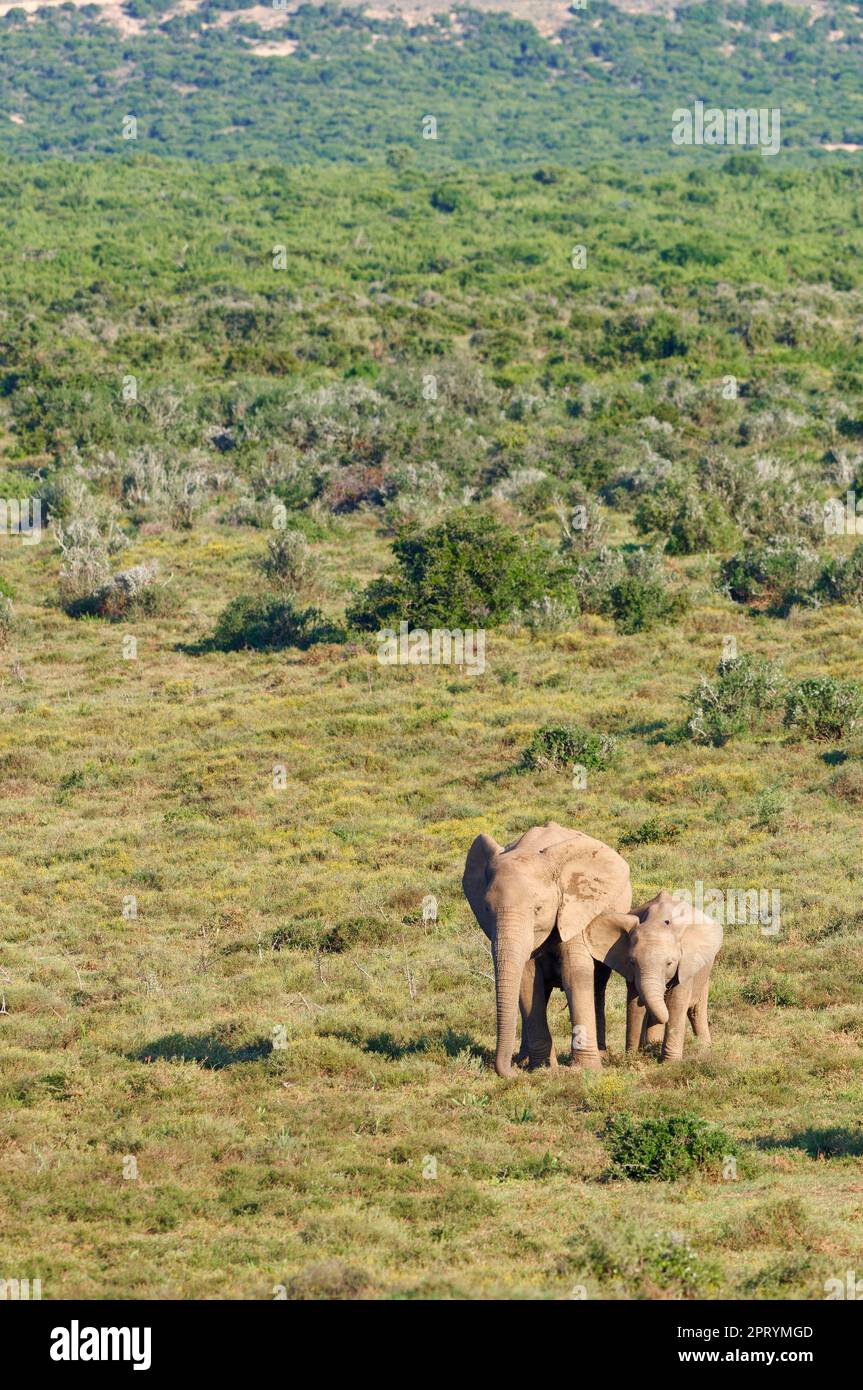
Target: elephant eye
{"type": "Point", "coordinates": [667, 922]}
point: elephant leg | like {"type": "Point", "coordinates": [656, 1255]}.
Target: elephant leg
{"type": "Point", "coordinates": [601, 975]}
{"type": "Point", "coordinates": [578, 982]}
{"type": "Point", "coordinates": [532, 1001]}
{"type": "Point", "coordinates": [549, 986]}
{"type": "Point", "coordinates": [652, 1033]}
{"type": "Point", "coordinates": [634, 1019]}
{"type": "Point", "coordinates": [698, 1008]}
{"type": "Point", "coordinates": [677, 1002]}
{"type": "Point", "coordinates": [521, 1057]}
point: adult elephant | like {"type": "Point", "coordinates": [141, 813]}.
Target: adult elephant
{"type": "Point", "coordinates": [534, 899]}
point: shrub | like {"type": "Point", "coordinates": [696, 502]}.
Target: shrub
{"type": "Point", "coordinates": [652, 831]}
{"type": "Point", "coordinates": [824, 707]}
{"type": "Point", "coordinates": [726, 706]}
{"type": "Point", "coordinates": [842, 579]}
{"type": "Point", "coordinates": [328, 1281]}
{"type": "Point", "coordinates": [640, 1262]}
{"type": "Point", "coordinates": [638, 604]}
{"type": "Point", "coordinates": [847, 784]}
{"type": "Point", "coordinates": [179, 490]}
{"type": "Point", "coordinates": [469, 570]}
{"type": "Point", "coordinates": [692, 521]}
{"type": "Point", "coordinates": [560, 746]}
{"type": "Point", "coordinates": [269, 624]}
{"type": "Point", "coordinates": [630, 588]}
{"type": "Point", "coordinates": [669, 1147]}
{"type": "Point", "coordinates": [775, 575]}
{"type": "Point", "coordinates": [349, 487]}
{"type": "Point", "coordinates": [6, 617]}
{"type": "Point", "coordinates": [130, 593]}
{"type": "Point", "coordinates": [289, 562]}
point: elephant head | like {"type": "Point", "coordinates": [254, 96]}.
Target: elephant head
{"type": "Point", "coordinates": [666, 938]}
{"type": "Point", "coordinates": [551, 877]}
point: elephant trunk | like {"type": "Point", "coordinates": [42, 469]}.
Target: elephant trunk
{"type": "Point", "coordinates": [652, 991]}
{"type": "Point", "coordinates": [511, 953]}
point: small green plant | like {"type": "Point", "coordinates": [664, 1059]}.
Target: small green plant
{"type": "Point", "coordinates": [558, 747]}
{"type": "Point", "coordinates": [652, 831]}
{"type": "Point", "coordinates": [288, 563]}
{"type": "Point", "coordinates": [770, 807]}
{"type": "Point", "coordinates": [722, 708]}
{"type": "Point", "coordinates": [824, 707]}
{"type": "Point", "coordinates": [268, 624]}
{"type": "Point", "coordinates": [669, 1147]}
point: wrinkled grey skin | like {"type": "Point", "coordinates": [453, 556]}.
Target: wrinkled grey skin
{"type": "Point", "coordinates": [534, 900]}
{"type": "Point", "coordinates": [665, 951]}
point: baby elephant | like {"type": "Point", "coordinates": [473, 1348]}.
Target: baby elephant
{"type": "Point", "coordinates": [665, 951]}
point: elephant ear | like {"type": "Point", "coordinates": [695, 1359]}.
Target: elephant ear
{"type": "Point", "coordinates": [474, 879]}
{"type": "Point", "coordinates": [593, 878]}
{"type": "Point", "coordinates": [701, 938]}
{"type": "Point", "coordinates": [607, 939]}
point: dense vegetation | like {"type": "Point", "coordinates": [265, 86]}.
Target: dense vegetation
{"type": "Point", "coordinates": [358, 89]}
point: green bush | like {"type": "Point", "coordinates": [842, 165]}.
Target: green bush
{"type": "Point", "coordinates": [640, 1262]}
{"type": "Point", "coordinates": [842, 579]}
{"type": "Point", "coordinates": [692, 521]}
{"type": "Point", "coordinates": [469, 570]}
{"type": "Point", "coordinates": [269, 624]}
{"type": "Point", "coordinates": [560, 746]}
{"type": "Point", "coordinates": [652, 831]}
{"type": "Point", "coordinates": [629, 587]}
{"type": "Point", "coordinates": [774, 576]}
{"type": "Point", "coordinates": [728, 705]}
{"type": "Point", "coordinates": [639, 604]}
{"type": "Point", "coordinates": [824, 707]}
{"type": "Point", "coordinates": [289, 563]}
{"type": "Point", "coordinates": [669, 1147]}
{"type": "Point", "coordinates": [132, 593]}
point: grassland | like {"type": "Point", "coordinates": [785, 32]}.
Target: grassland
{"type": "Point", "coordinates": [153, 1037]}
{"type": "Point", "coordinates": [157, 1037]}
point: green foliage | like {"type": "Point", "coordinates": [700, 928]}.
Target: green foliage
{"type": "Point", "coordinates": [744, 689]}
{"type": "Point", "coordinates": [666, 1148]}
{"type": "Point", "coordinates": [843, 577]}
{"type": "Point", "coordinates": [496, 86]}
{"type": "Point", "coordinates": [636, 1263]}
{"type": "Point", "coordinates": [467, 571]}
{"type": "Point", "coordinates": [132, 593]}
{"type": "Point", "coordinates": [629, 587]}
{"type": "Point", "coordinates": [559, 747]}
{"type": "Point", "coordinates": [269, 624]}
{"type": "Point", "coordinates": [824, 707]}
{"type": "Point", "coordinates": [653, 831]}
{"type": "Point", "coordinates": [775, 575]}
{"type": "Point", "coordinates": [288, 563]}
{"type": "Point", "coordinates": [692, 521]}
